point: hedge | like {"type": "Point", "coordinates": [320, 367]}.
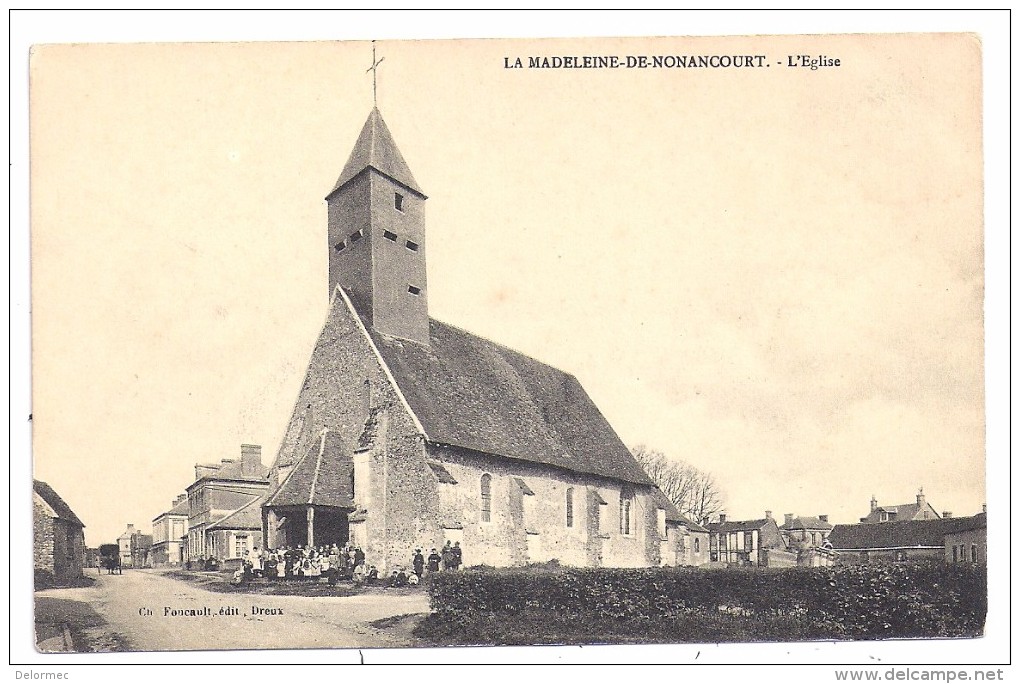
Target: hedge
{"type": "Point", "coordinates": [839, 602]}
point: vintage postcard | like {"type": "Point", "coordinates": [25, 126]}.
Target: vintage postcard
{"type": "Point", "coordinates": [404, 344]}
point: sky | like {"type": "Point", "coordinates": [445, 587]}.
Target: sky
{"type": "Point", "coordinates": [775, 275]}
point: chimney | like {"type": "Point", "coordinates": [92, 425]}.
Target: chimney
{"type": "Point", "coordinates": [824, 518]}
{"type": "Point", "coordinates": [947, 514]}
{"type": "Point", "coordinates": [768, 515]}
{"type": "Point", "coordinates": [787, 518]}
{"type": "Point", "coordinates": [984, 508]}
{"type": "Point", "coordinates": [251, 460]}
{"type": "Point", "coordinates": [874, 502]}
{"type": "Point", "coordinates": [722, 517]}
{"type": "Point", "coordinates": [920, 497]}
{"type": "Point", "coordinates": [179, 499]}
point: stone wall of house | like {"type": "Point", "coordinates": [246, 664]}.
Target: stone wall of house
{"type": "Point", "coordinates": [42, 527]}
{"type": "Point", "coordinates": [532, 527]}
{"type": "Point", "coordinates": [973, 542]}
{"type": "Point", "coordinates": [58, 546]}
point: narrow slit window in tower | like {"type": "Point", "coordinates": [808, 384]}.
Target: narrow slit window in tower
{"type": "Point", "coordinates": [398, 201]}
{"type": "Point", "coordinates": [356, 236]}
{"type": "Point", "coordinates": [340, 246]}
{"type": "Point", "coordinates": [413, 246]}
{"type": "Point", "coordinates": [392, 237]}
{"type": "Point", "coordinates": [414, 290]}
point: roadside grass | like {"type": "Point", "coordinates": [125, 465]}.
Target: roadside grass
{"type": "Point", "coordinates": [87, 627]}
{"type": "Point", "coordinates": [220, 582]}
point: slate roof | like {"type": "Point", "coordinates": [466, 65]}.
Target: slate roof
{"type": "Point", "coordinates": [737, 525]}
{"type": "Point", "coordinates": [903, 512]}
{"type": "Point", "coordinates": [321, 478]}
{"type": "Point", "coordinates": [376, 149]}
{"type": "Point", "coordinates": [442, 473]}
{"type": "Point", "coordinates": [806, 522]}
{"type": "Point", "coordinates": [673, 515]}
{"type": "Point", "coordinates": [230, 469]}
{"type": "Point", "coordinates": [472, 393]}
{"type": "Point", "coordinates": [181, 508]}
{"type": "Point", "coordinates": [901, 533]}
{"type": "Point", "coordinates": [53, 500]}
{"type": "Point", "coordinates": [247, 517]}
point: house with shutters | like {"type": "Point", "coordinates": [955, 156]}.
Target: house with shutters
{"type": "Point", "coordinates": [409, 432]}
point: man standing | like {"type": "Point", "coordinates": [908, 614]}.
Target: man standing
{"type": "Point", "coordinates": [458, 557]}
{"type": "Point", "coordinates": [418, 563]}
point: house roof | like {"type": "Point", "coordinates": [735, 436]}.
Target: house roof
{"type": "Point", "coordinates": [900, 533]}
{"type": "Point", "coordinates": [442, 473]}
{"type": "Point", "coordinates": [737, 525]}
{"type": "Point", "coordinates": [376, 149]}
{"type": "Point", "coordinates": [230, 469]}
{"type": "Point", "coordinates": [60, 508]}
{"type": "Point", "coordinates": [673, 515]}
{"type": "Point", "coordinates": [321, 478]}
{"type": "Point", "coordinates": [806, 522]}
{"type": "Point", "coordinates": [905, 511]}
{"type": "Point", "coordinates": [247, 517]}
{"type": "Point", "coordinates": [472, 393]}
{"type": "Point", "coordinates": [180, 508]}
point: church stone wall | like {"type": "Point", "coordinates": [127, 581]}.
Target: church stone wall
{"type": "Point", "coordinates": [509, 538]}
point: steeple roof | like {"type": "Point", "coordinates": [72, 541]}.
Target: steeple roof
{"type": "Point", "coordinates": [376, 149]}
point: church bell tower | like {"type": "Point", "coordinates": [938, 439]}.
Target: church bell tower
{"type": "Point", "coordinates": [377, 236]}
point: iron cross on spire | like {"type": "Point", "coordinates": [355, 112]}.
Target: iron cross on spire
{"type": "Point", "coordinates": [374, 68]}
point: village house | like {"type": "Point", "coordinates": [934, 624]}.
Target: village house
{"type": "Point", "coordinates": [168, 534]}
{"type": "Point", "coordinates": [410, 433]}
{"type": "Point", "coordinates": [919, 510]}
{"type": "Point", "coordinates": [808, 537]}
{"type": "Point", "coordinates": [134, 548]}
{"type": "Point", "coordinates": [749, 542]}
{"type": "Point", "coordinates": [58, 538]}
{"type": "Point", "coordinates": [905, 540]}
{"type": "Point", "coordinates": [224, 520]}
{"type": "Point", "coordinates": [967, 539]}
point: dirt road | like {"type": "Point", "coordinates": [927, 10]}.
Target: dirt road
{"type": "Point", "coordinates": [157, 613]}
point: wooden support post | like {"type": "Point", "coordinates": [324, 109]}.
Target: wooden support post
{"type": "Point", "coordinates": [311, 526]}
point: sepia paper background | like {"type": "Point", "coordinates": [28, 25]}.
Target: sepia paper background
{"type": "Point", "coordinates": [774, 274]}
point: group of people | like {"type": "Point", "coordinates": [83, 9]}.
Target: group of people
{"type": "Point", "coordinates": [345, 562]}
{"type": "Point", "coordinates": [309, 563]}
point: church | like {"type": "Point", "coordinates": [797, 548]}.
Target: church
{"type": "Point", "coordinates": [410, 433]}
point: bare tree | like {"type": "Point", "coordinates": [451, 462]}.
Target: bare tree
{"type": "Point", "coordinates": [695, 493]}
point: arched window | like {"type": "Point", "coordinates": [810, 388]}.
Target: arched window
{"type": "Point", "coordinates": [486, 497]}
{"type": "Point", "coordinates": [570, 506]}
{"type": "Point", "coordinates": [697, 545]}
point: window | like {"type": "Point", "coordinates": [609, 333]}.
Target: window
{"type": "Point", "coordinates": [486, 497]}
{"type": "Point", "coordinates": [340, 246]}
{"type": "Point", "coordinates": [392, 237]}
{"type": "Point", "coordinates": [356, 236]}
{"type": "Point", "coordinates": [413, 246]}
{"type": "Point", "coordinates": [660, 522]}
{"type": "Point", "coordinates": [625, 504]}
{"type": "Point", "coordinates": [414, 290]}
{"type": "Point", "coordinates": [570, 506]}
{"type": "Point", "coordinates": [697, 545]}
{"type": "Point", "coordinates": [973, 553]}
{"type": "Point", "coordinates": [240, 546]}
{"type": "Point", "coordinates": [398, 201]}
{"type": "Point", "coordinates": [956, 553]}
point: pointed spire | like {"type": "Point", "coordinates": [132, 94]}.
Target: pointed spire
{"type": "Point", "coordinates": [376, 149]}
